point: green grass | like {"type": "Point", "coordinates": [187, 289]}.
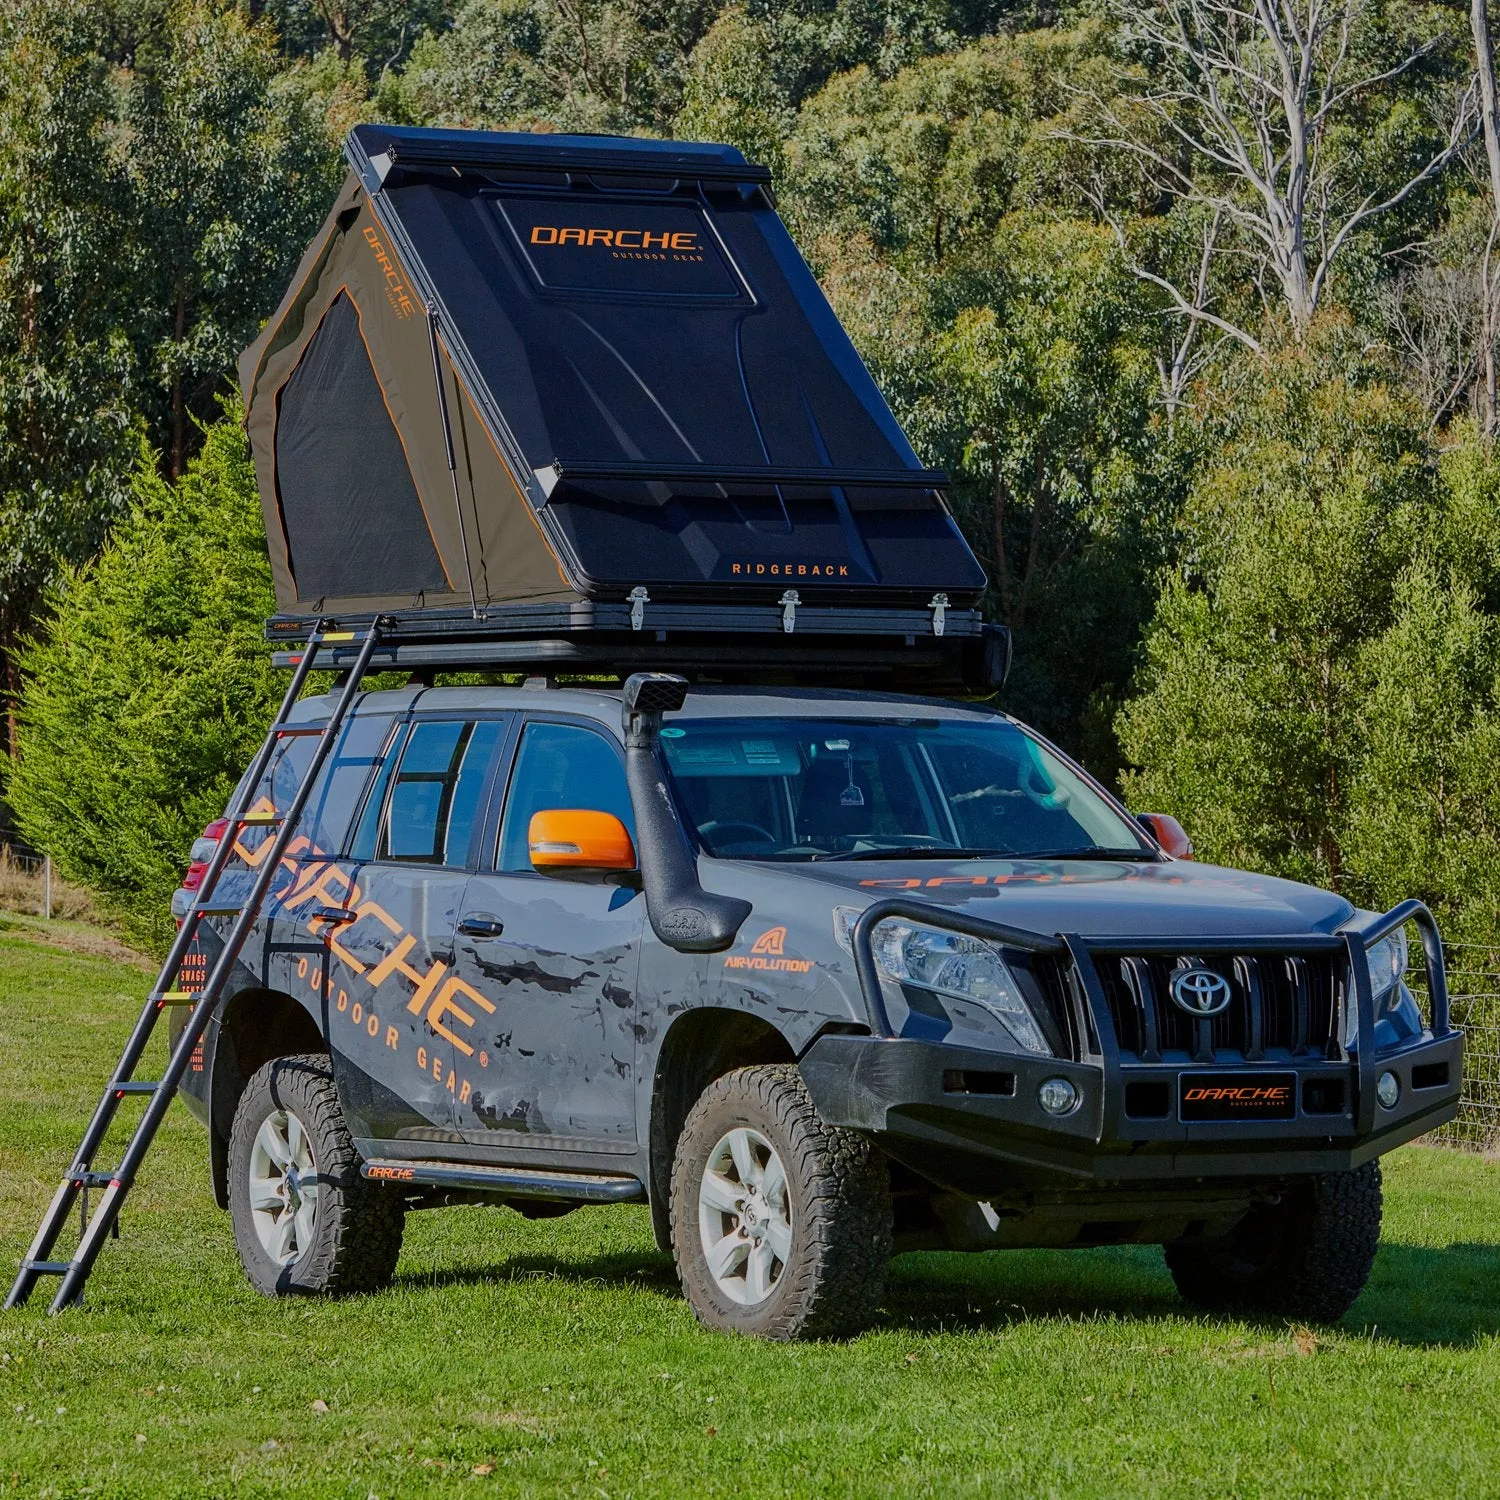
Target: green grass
{"type": "Point", "coordinates": [557, 1356]}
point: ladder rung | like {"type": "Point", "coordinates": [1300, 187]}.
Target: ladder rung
{"type": "Point", "coordinates": [91, 1179]}
{"type": "Point", "coordinates": [260, 820]}
{"type": "Point", "coordinates": [134, 1088]}
{"type": "Point", "coordinates": [216, 911]}
{"type": "Point", "coordinates": [48, 1267]}
{"type": "Point", "coordinates": [174, 997]}
{"type": "Point", "coordinates": [292, 729]}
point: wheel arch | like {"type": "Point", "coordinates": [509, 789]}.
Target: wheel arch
{"type": "Point", "coordinates": [254, 1026]}
{"type": "Point", "coordinates": [702, 1044]}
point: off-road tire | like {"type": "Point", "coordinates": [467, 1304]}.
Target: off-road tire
{"type": "Point", "coordinates": [838, 1193]}
{"type": "Point", "coordinates": [1306, 1257]}
{"type": "Point", "coordinates": [358, 1224]}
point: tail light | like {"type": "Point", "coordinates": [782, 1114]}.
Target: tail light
{"type": "Point", "coordinates": [199, 856]}
{"type": "Point", "coordinates": [203, 851]}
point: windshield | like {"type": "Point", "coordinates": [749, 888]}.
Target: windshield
{"type": "Point", "coordinates": [798, 789]}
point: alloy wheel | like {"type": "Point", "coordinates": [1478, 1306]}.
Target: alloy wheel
{"type": "Point", "coordinates": [744, 1217]}
{"type": "Point", "coordinates": [283, 1187]}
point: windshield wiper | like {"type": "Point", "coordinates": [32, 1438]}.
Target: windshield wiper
{"type": "Point", "coordinates": [1091, 851]}
{"type": "Point", "coordinates": [903, 852]}
{"type": "Point", "coordinates": [928, 851]}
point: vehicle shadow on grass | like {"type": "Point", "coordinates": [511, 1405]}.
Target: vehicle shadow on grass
{"type": "Point", "coordinates": [1429, 1297]}
{"type": "Point", "coordinates": [1418, 1296]}
{"type": "Point", "coordinates": [647, 1270]}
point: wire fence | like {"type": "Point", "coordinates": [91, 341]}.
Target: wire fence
{"type": "Point", "coordinates": [1474, 989]}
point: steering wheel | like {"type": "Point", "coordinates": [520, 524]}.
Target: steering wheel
{"type": "Point", "coordinates": [737, 833]}
{"type": "Point", "coordinates": [1047, 801]}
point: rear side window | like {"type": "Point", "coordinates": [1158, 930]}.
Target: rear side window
{"type": "Point", "coordinates": [336, 794]}
{"type": "Point", "coordinates": [560, 765]}
{"type": "Point", "coordinates": [435, 793]}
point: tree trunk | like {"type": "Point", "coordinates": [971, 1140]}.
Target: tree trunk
{"type": "Point", "coordinates": [1484, 63]}
{"type": "Point", "coordinates": [8, 648]}
{"type": "Point", "coordinates": [1002, 567]}
{"type": "Point", "coordinates": [178, 325]}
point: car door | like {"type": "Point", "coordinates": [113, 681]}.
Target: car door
{"type": "Point", "coordinates": [558, 958]}
{"type": "Point", "coordinates": [389, 1013]}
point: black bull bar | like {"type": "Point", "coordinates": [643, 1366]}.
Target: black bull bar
{"type": "Point", "coordinates": [1091, 1008]}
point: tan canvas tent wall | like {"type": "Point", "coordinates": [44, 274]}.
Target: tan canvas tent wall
{"type": "Point", "coordinates": [346, 433]}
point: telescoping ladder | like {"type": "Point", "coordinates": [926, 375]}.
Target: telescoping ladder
{"type": "Point", "coordinates": [113, 1186]}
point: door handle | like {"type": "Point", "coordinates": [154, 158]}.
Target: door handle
{"type": "Point", "coordinates": [480, 924]}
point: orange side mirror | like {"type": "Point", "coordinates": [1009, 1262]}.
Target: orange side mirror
{"type": "Point", "coordinates": [1169, 833]}
{"type": "Point", "coordinates": [577, 838]}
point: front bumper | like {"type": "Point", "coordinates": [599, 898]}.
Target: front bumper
{"type": "Point", "coordinates": [970, 1119]}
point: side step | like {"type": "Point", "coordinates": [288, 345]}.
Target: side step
{"type": "Point", "coordinates": [517, 1182]}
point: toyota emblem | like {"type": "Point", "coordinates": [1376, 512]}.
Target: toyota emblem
{"type": "Point", "coordinates": [1201, 992]}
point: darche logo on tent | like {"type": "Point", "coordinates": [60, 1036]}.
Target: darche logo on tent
{"type": "Point", "coordinates": [395, 287]}
{"type": "Point", "coordinates": [624, 244]}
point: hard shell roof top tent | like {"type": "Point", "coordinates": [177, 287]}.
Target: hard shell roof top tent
{"type": "Point", "coordinates": [580, 399]}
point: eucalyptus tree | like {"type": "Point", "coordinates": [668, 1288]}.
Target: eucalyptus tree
{"type": "Point", "coordinates": [1299, 124]}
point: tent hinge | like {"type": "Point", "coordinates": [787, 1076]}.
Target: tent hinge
{"type": "Point", "coordinates": [939, 608]}
{"type": "Point", "coordinates": [789, 602]}
{"type": "Point", "coordinates": [638, 599]}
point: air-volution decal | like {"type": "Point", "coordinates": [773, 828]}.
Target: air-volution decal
{"type": "Point", "coordinates": [768, 955]}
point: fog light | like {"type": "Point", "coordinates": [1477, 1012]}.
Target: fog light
{"type": "Point", "coordinates": [1387, 1089]}
{"type": "Point", "coordinates": [1057, 1096]}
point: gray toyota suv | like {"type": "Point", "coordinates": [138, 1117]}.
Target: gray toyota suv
{"type": "Point", "coordinates": [817, 975]}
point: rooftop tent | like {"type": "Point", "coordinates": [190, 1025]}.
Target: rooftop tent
{"type": "Point", "coordinates": [562, 381]}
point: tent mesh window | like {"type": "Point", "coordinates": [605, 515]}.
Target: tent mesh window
{"type": "Point", "coordinates": [354, 524]}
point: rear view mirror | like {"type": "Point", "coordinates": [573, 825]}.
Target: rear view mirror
{"type": "Point", "coordinates": [579, 839]}
{"type": "Point", "coordinates": [1167, 832]}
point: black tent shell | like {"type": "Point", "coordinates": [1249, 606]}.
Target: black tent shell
{"type": "Point", "coordinates": [536, 381]}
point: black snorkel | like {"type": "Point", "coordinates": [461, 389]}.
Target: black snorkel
{"type": "Point", "coordinates": [683, 915]}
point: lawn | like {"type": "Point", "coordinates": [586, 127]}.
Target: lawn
{"type": "Point", "coordinates": [556, 1357]}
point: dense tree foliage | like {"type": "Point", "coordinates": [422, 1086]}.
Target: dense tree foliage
{"type": "Point", "coordinates": [156, 680]}
{"type": "Point", "coordinates": [1197, 302]}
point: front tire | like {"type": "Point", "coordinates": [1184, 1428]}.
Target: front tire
{"type": "Point", "coordinates": [781, 1224]}
{"type": "Point", "coordinates": [1307, 1256]}
{"type": "Point", "coordinates": [305, 1221]}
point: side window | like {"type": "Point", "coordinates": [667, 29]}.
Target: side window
{"type": "Point", "coordinates": [325, 819]}
{"type": "Point", "coordinates": [434, 794]}
{"type": "Point", "coordinates": [560, 765]}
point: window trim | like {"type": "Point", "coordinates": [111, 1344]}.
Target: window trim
{"type": "Point", "coordinates": [499, 761]}
{"type": "Point", "coordinates": [502, 789]}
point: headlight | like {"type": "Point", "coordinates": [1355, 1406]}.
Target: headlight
{"type": "Point", "coordinates": [960, 967]}
{"type": "Point", "coordinates": [1396, 1015]}
{"type": "Point", "coordinates": [1387, 960]}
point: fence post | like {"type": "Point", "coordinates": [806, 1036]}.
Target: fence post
{"type": "Point", "coordinates": [47, 880]}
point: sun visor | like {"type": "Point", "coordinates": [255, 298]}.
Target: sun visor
{"type": "Point", "coordinates": [541, 372]}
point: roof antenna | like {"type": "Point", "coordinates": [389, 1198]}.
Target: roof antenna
{"type": "Point", "coordinates": [442, 395]}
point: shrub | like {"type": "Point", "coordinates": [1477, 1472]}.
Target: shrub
{"type": "Point", "coordinates": [152, 689]}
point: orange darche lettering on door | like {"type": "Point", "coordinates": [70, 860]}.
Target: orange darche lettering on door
{"type": "Point", "coordinates": [767, 953]}
{"type": "Point", "coordinates": [624, 244]}
{"type": "Point", "coordinates": [439, 997]}
{"type": "Point", "coordinates": [395, 288]}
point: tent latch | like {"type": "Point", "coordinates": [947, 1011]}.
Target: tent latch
{"type": "Point", "coordinates": [638, 599]}
{"type": "Point", "coordinates": [939, 608]}
{"type": "Point", "coordinates": [789, 602]}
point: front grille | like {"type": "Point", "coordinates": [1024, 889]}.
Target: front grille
{"type": "Point", "coordinates": [1282, 1004]}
